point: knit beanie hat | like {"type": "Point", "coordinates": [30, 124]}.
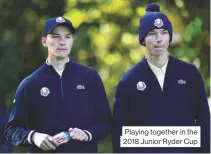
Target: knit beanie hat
{"type": "Point", "coordinates": [153, 19]}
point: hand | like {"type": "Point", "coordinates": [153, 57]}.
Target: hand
{"type": "Point", "coordinates": [78, 134]}
{"type": "Point", "coordinates": [44, 141]}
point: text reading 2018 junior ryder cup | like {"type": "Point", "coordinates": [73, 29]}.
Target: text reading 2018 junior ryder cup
{"type": "Point", "coordinates": [136, 136]}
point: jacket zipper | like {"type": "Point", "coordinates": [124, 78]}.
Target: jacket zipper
{"type": "Point", "coordinates": [61, 86]}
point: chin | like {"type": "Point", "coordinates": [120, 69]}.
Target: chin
{"type": "Point", "coordinates": [158, 52]}
{"type": "Point", "coordinates": [61, 56]}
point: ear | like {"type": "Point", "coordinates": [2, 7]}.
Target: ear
{"type": "Point", "coordinates": [44, 41]}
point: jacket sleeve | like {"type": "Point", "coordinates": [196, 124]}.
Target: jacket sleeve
{"type": "Point", "coordinates": [5, 146]}
{"type": "Point", "coordinates": [16, 130]}
{"type": "Point", "coordinates": [202, 113]}
{"type": "Point", "coordinates": [102, 116]}
{"type": "Point", "coordinates": [2, 123]}
{"type": "Point", "coordinates": [121, 116]}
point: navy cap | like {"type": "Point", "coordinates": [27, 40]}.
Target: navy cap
{"type": "Point", "coordinates": [153, 19]}
{"type": "Point", "coordinates": [52, 23]}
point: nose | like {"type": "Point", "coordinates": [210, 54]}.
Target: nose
{"type": "Point", "coordinates": [62, 41]}
{"type": "Point", "coordinates": [159, 38]}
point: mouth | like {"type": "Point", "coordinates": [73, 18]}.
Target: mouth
{"type": "Point", "coordinates": [158, 47]}
{"type": "Point", "coordinates": [61, 49]}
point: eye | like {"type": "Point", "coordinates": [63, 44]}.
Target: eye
{"type": "Point", "coordinates": [165, 32]}
{"type": "Point", "coordinates": [151, 33]}
{"type": "Point", "coordinates": [55, 36]}
{"type": "Point", "coordinates": [69, 36]}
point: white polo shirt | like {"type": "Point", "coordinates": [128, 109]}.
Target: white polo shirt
{"type": "Point", "coordinates": [159, 73]}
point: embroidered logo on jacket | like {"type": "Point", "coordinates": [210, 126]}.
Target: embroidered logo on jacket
{"type": "Point", "coordinates": [181, 81]}
{"type": "Point", "coordinates": [158, 23]}
{"type": "Point", "coordinates": [44, 91]}
{"type": "Point", "coordinates": [141, 85]}
{"type": "Point", "coordinates": [79, 86]}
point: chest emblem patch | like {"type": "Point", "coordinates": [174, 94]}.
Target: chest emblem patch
{"type": "Point", "coordinates": [141, 85]}
{"type": "Point", "coordinates": [44, 91]}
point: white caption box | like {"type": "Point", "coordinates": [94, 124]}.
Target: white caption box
{"type": "Point", "coordinates": [178, 136]}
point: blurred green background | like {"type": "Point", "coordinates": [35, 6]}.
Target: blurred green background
{"type": "Point", "coordinates": [106, 38]}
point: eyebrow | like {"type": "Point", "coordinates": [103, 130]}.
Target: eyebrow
{"type": "Point", "coordinates": [59, 34]}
